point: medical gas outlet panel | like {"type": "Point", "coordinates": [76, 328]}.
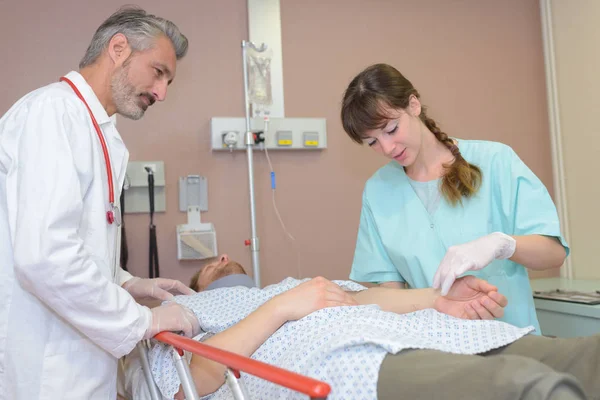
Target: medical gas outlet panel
{"type": "Point", "coordinates": [228, 134]}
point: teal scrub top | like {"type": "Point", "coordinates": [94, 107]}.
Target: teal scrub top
{"type": "Point", "coordinates": [398, 240]}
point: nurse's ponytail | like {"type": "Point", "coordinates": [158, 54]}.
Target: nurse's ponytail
{"type": "Point", "coordinates": [461, 178]}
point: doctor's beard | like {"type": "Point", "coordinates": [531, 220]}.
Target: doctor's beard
{"type": "Point", "coordinates": [127, 102]}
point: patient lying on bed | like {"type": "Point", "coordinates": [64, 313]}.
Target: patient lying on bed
{"type": "Point", "coordinates": [376, 343]}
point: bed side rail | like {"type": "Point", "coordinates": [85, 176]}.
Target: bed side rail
{"type": "Point", "coordinates": [235, 362]}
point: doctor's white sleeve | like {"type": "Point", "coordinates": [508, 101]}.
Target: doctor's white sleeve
{"type": "Point", "coordinates": [45, 206]}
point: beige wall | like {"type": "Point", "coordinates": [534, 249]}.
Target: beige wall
{"type": "Point", "coordinates": [478, 65]}
{"type": "Point", "coordinates": [577, 40]}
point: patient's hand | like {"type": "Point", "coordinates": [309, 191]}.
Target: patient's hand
{"type": "Point", "coordinates": [311, 296]}
{"type": "Point", "coordinates": [180, 395]}
{"type": "Point", "coordinates": [472, 298]}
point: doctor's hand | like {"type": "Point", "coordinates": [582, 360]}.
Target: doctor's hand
{"type": "Point", "coordinates": [309, 297]}
{"type": "Point", "coordinates": [173, 317]}
{"type": "Point", "coordinates": [157, 288]}
{"type": "Point", "coordinates": [472, 298]}
{"type": "Point", "coordinates": [472, 256]}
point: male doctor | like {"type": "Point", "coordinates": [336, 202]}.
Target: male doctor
{"type": "Point", "coordinates": [67, 310]}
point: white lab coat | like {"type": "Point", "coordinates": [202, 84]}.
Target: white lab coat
{"type": "Point", "coordinates": [63, 320]}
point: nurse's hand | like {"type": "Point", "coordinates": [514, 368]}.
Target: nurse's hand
{"type": "Point", "coordinates": [472, 298]}
{"type": "Point", "coordinates": [472, 256]}
{"type": "Point", "coordinates": [157, 288]}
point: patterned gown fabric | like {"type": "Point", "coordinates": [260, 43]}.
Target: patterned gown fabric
{"type": "Point", "coordinates": [343, 346]}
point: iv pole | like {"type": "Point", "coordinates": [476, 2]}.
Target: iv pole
{"type": "Point", "coordinates": [254, 242]}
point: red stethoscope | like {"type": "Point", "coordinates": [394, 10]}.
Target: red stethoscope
{"type": "Point", "coordinates": [112, 214]}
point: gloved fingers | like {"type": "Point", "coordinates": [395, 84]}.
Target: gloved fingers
{"type": "Point", "coordinates": [131, 282]}
{"type": "Point", "coordinates": [192, 323]}
{"type": "Point", "coordinates": [456, 270]}
{"type": "Point", "coordinates": [196, 327]}
{"type": "Point", "coordinates": [447, 283]}
{"type": "Point", "coordinates": [174, 286]}
{"type": "Point", "coordinates": [183, 289]}
{"type": "Point", "coordinates": [436, 280]}
{"type": "Point", "coordinates": [192, 328]}
{"type": "Point", "coordinates": [173, 317]}
{"type": "Point", "coordinates": [154, 327]}
{"type": "Point", "coordinates": [442, 271]}
{"type": "Point", "coordinates": [160, 294]}
{"type": "Point", "coordinates": [188, 329]}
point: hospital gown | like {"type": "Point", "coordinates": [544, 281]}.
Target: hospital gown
{"type": "Point", "coordinates": [343, 346]}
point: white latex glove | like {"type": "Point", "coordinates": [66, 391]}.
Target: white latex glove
{"type": "Point", "coordinates": [472, 256]}
{"type": "Point", "coordinates": [157, 288]}
{"type": "Point", "coordinates": [173, 317]}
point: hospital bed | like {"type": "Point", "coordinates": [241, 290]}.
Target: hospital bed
{"type": "Point", "coordinates": [235, 364]}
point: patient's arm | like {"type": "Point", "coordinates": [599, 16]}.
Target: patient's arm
{"type": "Point", "coordinates": [251, 332]}
{"type": "Point", "coordinates": [469, 298]}
{"type": "Point", "coordinates": [485, 309]}
{"type": "Point", "coordinates": [243, 338]}
{"type": "Point", "coordinates": [395, 300]}
{"type": "Point", "coordinates": [393, 285]}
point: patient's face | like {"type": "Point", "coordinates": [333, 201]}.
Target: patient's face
{"type": "Point", "coordinates": [220, 268]}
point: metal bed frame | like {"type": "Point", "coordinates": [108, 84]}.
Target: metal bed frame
{"type": "Point", "coordinates": [235, 364]}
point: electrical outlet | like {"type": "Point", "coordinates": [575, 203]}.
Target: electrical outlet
{"type": "Point", "coordinates": [229, 134]}
{"type": "Point", "coordinates": [230, 138]}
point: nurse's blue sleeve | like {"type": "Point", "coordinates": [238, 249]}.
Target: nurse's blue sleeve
{"type": "Point", "coordinates": [371, 261]}
{"type": "Point", "coordinates": [526, 203]}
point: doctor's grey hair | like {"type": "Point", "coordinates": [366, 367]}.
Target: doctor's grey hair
{"type": "Point", "coordinates": [140, 29]}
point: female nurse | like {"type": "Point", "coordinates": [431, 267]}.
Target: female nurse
{"type": "Point", "coordinates": [443, 207]}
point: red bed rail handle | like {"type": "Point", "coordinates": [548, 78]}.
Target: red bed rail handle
{"type": "Point", "coordinates": [291, 380]}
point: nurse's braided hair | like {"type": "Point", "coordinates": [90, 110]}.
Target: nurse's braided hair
{"type": "Point", "coordinates": [383, 85]}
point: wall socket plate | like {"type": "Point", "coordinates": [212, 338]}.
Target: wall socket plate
{"type": "Point", "coordinates": [229, 133]}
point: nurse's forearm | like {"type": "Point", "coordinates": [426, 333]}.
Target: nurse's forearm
{"type": "Point", "coordinates": [400, 301]}
{"type": "Point", "coordinates": [538, 252]}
